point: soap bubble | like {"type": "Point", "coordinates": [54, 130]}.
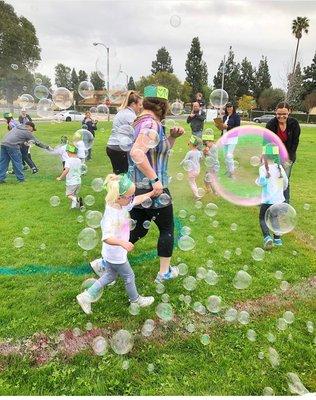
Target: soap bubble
{"type": "Point", "coordinates": [201, 273]}
{"type": "Point", "coordinates": [89, 200]}
{"type": "Point", "coordinates": [271, 338]}
{"type": "Point", "coordinates": [26, 101]}
{"type": "Point", "coordinates": [164, 199]}
{"type": "Point", "coordinates": [138, 156]}
{"type": "Point", "coordinates": [242, 280]}
{"type": "Point", "coordinates": [306, 206]}
{"type": "Point", "coordinates": [62, 98]}
{"type": "Point", "coordinates": [88, 239]}
{"type": "Point", "coordinates": [192, 218]}
{"type": "Point", "coordinates": [213, 303]}
{"type": "Point", "coordinates": [280, 218]}
{"type": "Point", "coordinates": [188, 165]}
{"type": "Point", "coordinates": [54, 201]}
{"type": "Point", "coordinates": [84, 135]}
{"type": "Point", "coordinates": [284, 285]}
{"type": "Point", "coordinates": [261, 355]}
{"type": "Point", "coordinates": [160, 288]}
{"type": "Point", "coordinates": [255, 161]}
{"type": "Point", "coordinates": [97, 184]}
{"type": "Point", "coordinates": [234, 227]}
{"type": "Point", "coordinates": [89, 326]}
{"type": "Point", "coordinates": [211, 209]}
{"type": "Point", "coordinates": [278, 275]}
{"type": "Point", "coordinates": [198, 204]}
{"type": "Point", "coordinates": [236, 182]}
{"type": "Point", "coordinates": [122, 342]}
{"type": "Point", "coordinates": [187, 299]}
{"type": "Point", "coordinates": [210, 239]}
{"type": "Point", "coordinates": [227, 254]}
{"type": "Point", "coordinates": [185, 230]}
{"type": "Point", "coordinates": [14, 67]}
{"type": "Point", "coordinates": [93, 219]}
{"type": "Point", "coordinates": [134, 309]}
{"type": "Point", "coordinates": [41, 92]}
{"type": "Point", "coordinates": [26, 230]}
{"type": "Point", "coordinates": [125, 365]}
{"type": "Point", "coordinates": [190, 328]}
{"type": "Point", "coordinates": [281, 324]}
{"type": "Point", "coordinates": [182, 214]}
{"type": "Point", "coordinates": [186, 243]}
{"type": "Point", "coordinates": [146, 224]}
{"type": "Point", "coordinates": [268, 391]}
{"type": "Point", "coordinates": [76, 332]}
{"type": "Point", "coordinates": [168, 124]}
{"type": "Point", "coordinates": [148, 327]}
{"type": "Point", "coordinates": [176, 108]}
{"type": "Point", "coordinates": [189, 283]}
{"type": "Point", "coordinates": [102, 109]}
{"type": "Point", "coordinates": [210, 264]}
{"type": "Point", "coordinates": [295, 385]}
{"type": "Point", "coordinates": [215, 224]}
{"type": "Point", "coordinates": [38, 81]}
{"type": "Point", "coordinates": [150, 368]}
{"type": "Point", "coordinates": [243, 317]}
{"type": "Point", "coordinates": [164, 311]}
{"type": "Point", "coordinates": [289, 317]}
{"type": "Point", "coordinates": [179, 176]}
{"type": "Point", "coordinates": [147, 202]}
{"type": "Point", "coordinates": [218, 98]}
{"type": "Point", "coordinates": [231, 315]}
{"type": "Point", "coordinates": [86, 89]}
{"type": "Point", "coordinates": [42, 246]}
{"type": "Point", "coordinates": [183, 269]}
{"type": "Point", "coordinates": [18, 242]}
{"type": "Point", "coordinates": [97, 291]}
{"type": "Point", "coordinates": [99, 345]}
{"type": "Point", "coordinates": [310, 326]}
{"type": "Point", "coordinates": [205, 339]}
{"type": "Point", "coordinates": [199, 308]}
{"type": "Point", "coordinates": [150, 137]}
{"type": "Point", "coordinates": [175, 21]}
{"type": "Point", "coordinates": [211, 277]}
{"type": "Point", "coordinates": [165, 298]}
{"type": "Point", "coordinates": [201, 192]}
{"type": "Point", "coordinates": [44, 108]}
{"type": "Point", "coordinates": [251, 335]}
{"type": "Point", "coordinates": [273, 357]}
{"type": "Point", "coordinates": [257, 254]}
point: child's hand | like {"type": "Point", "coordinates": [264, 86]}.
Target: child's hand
{"type": "Point", "coordinates": [58, 178]}
{"type": "Point", "coordinates": [128, 246]}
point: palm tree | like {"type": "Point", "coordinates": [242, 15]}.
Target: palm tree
{"type": "Point", "coordinates": [299, 25]}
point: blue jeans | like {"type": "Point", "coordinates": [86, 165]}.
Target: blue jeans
{"type": "Point", "coordinates": [286, 193]}
{"type": "Point", "coordinates": [14, 155]}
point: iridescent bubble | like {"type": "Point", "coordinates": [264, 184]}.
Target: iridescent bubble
{"type": "Point", "coordinates": [76, 332]}
{"type": "Point", "coordinates": [199, 308]}
{"type": "Point", "coordinates": [289, 317]}
{"type": "Point", "coordinates": [188, 165]}
{"type": "Point", "coordinates": [89, 200]}
{"type": "Point", "coordinates": [238, 251]}
{"type": "Point", "coordinates": [273, 357]}
{"type": "Point", "coordinates": [210, 264]}
{"type": "Point", "coordinates": [18, 242]}
{"type": "Point", "coordinates": [164, 311]}
{"type": "Point", "coordinates": [132, 224]}
{"type": "Point", "coordinates": [310, 326]}
{"type": "Point", "coordinates": [251, 335]}
{"type": "Point", "coordinates": [41, 92]}
{"type": "Point", "coordinates": [258, 254]}
{"type": "Point", "coordinates": [200, 192]}
{"type": "Point", "coordinates": [122, 342]}
{"type": "Point", "coordinates": [183, 269]}
{"type": "Point", "coordinates": [45, 109]}
{"type": "Point", "coordinates": [255, 161]}
{"type": "Point", "coordinates": [295, 384]}
{"type": "Point", "coordinates": [179, 176]}
{"type": "Point", "coordinates": [42, 246]}
{"type": "Point", "coordinates": [160, 288]}
{"type": "Point", "coordinates": [89, 326]}
{"type": "Point", "coordinates": [205, 339]}
{"type": "Point", "coordinates": [278, 275]}
{"type": "Point", "coordinates": [187, 299]}
{"type": "Point", "coordinates": [189, 283]}
{"type": "Point", "coordinates": [164, 199]}
{"type": "Point", "coordinates": [99, 345]}
{"type": "Point", "coordinates": [134, 309]}
{"type": "Point", "coordinates": [190, 328]}
{"type": "Point", "coordinates": [306, 207]}
{"type": "Point", "coordinates": [218, 98]}
{"type": "Point", "coordinates": [201, 273]}
{"type": "Point", "coordinates": [125, 365]}
{"type": "Point", "coordinates": [271, 338]}
{"type": "Point", "coordinates": [211, 209]}
{"type": "Point", "coordinates": [175, 21]}
{"type": "Point", "coordinates": [213, 303]}
{"type": "Point", "coordinates": [284, 285]}
{"type": "Point", "coordinates": [138, 156]}
{"type": "Point", "coordinates": [102, 110]}
{"type": "Point", "coordinates": [146, 224]}
{"type": "Point", "coordinates": [97, 291]}
{"type": "Point", "coordinates": [93, 219]}
{"type": "Point", "coordinates": [86, 89]}
{"type": "Point", "coordinates": [62, 98]}
{"type": "Point", "coordinates": [192, 218]}
{"type": "Point", "coordinates": [215, 224]}
{"type": "Point", "coordinates": [198, 204]}
{"type": "Point", "coordinates": [231, 315]}
{"type": "Point", "coordinates": [14, 67]}
{"type": "Point", "coordinates": [281, 324]}
{"type": "Point", "coordinates": [150, 138]}
{"type": "Point", "coordinates": [168, 124]}
{"type": "Point", "coordinates": [97, 184]}
{"type": "Point", "coordinates": [261, 355]}
{"type": "Point", "coordinates": [147, 202]}
{"type": "Point", "coordinates": [38, 81]}
{"type": "Point", "coordinates": [26, 230]}
{"type": "Point", "coordinates": [234, 227]}
{"type": "Point", "coordinates": [227, 254]}
{"type": "Point", "coordinates": [186, 243]}
{"type": "Point", "coordinates": [150, 368]}
{"type": "Point", "coordinates": [242, 280]}
{"type": "Point", "coordinates": [182, 214]}
{"type": "Point", "coordinates": [210, 239]}
{"type": "Point", "coordinates": [268, 391]}
{"type": "Point", "coordinates": [211, 277]}
{"type": "Point", "coordinates": [26, 101]}
{"type": "Point", "coordinates": [243, 317]}
{"type": "Point", "coordinates": [88, 239]}
{"type": "Point", "coordinates": [165, 298]}
{"type": "Point", "coordinates": [185, 230]}
{"type": "Point", "coordinates": [176, 108]}
{"type": "Point", "coordinates": [54, 201]}
{"type": "Point", "coordinates": [280, 218]}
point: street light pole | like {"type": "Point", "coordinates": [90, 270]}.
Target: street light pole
{"type": "Point", "coordinates": [107, 71]}
{"type": "Point", "coordinates": [122, 72]}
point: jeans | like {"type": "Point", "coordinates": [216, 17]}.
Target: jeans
{"type": "Point", "coordinates": [110, 275]}
{"type": "Point", "coordinates": [26, 157]}
{"type": "Point", "coordinates": [286, 193]}
{"type": "Point", "coordinates": [263, 225]}
{"type": "Point", "coordinates": [229, 157]}
{"type": "Point", "coordinates": [14, 155]}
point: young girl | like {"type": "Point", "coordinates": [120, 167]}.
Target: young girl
{"type": "Point", "coordinates": [79, 143]}
{"type": "Point", "coordinates": [192, 163]}
{"type": "Point", "coordinates": [115, 227]}
{"type": "Point", "coordinates": [211, 160]}
{"type": "Point", "coordinates": [273, 180]}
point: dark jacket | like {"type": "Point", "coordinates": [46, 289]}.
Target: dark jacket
{"type": "Point", "coordinates": [91, 126]}
{"type": "Point", "coordinates": [18, 135]}
{"type": "Point", "coordinates": [25, 119]}
{"type": "Point", "coordinates": [234, 120]}
{"type": "Point", "coordinates": [197, 122]}
{"type": "Point", "coordinates": [293, 131]}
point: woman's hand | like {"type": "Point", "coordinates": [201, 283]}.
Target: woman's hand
{"type": "Point", "coordinates": [157, 189]}
{"type": "Point", "coordinates": [176, 132]}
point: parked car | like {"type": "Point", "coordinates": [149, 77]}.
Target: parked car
{"type": "Point", "coordinates": [264, 118]}
{"type": "Point", "coordinates": [70, 115]}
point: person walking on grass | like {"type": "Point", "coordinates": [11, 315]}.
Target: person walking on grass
{"type": "Point", "coordinates": [191, 163]}
{"type": "Point", "coordinates": [210, 153]}
{"type": "Point", "coordinates": [273, 180]}
{"type": "Point", "coordinates": [115, 226]}
{"type": "Point", "coordinates": [196, 119]}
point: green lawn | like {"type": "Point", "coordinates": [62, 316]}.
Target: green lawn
{"type": "Point", "coordinates": [39, 285]}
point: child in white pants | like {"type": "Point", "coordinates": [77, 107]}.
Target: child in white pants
{"type": "Point", "coordinates": [191, 163]}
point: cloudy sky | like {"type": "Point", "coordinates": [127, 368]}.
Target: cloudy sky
{"type": "Point", "coordinates": [135, 29]}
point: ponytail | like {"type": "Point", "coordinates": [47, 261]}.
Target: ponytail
{"type": "Point", "coordinates": [112, 187]}
{"type": "Point", "coordinates": [265, 162]}
{"type": "Point", "coordinates": [130, 98]}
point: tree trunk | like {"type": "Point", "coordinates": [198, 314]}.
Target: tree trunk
{"type": "Point", "coordinates": [295, 58]}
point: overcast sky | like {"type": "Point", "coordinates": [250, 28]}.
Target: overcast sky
{"type": "Point", "coordinates": [135, 29]}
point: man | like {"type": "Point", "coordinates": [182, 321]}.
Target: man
{"type": "Point", "coordinates": [196, 120]}
{"type": "Point", "coordinates": [10, 149]}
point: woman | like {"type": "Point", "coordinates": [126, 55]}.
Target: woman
{"type": "Point", "coordinates": [91, 125]}
{"type": "Point", "coordinates": [121, 136]}
{"type": "Point", "coordinates": [149, 171]}
{"type": "Point", "coordinates": [288, 130]}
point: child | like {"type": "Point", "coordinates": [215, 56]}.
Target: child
{"type": "Point", "coordinates": [274, 181]}
{"type": "Point", "coordinates": [192, 159]}
{"type": "Point", "coordinates": [211, 161]}
{"type": "Point", "coordinates": [72, 172]}
{"type": "Point", "coordinates": [61, 150]}
{"type": "Point", "coordinates": [79, 143]}
{"type": "Point", "coordinates": [115, 227]}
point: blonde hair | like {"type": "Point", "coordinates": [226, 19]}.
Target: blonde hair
{"type": "Point", "coordinates": [130, 97]}
{"type": "Point", "coordinates": [112, 186]}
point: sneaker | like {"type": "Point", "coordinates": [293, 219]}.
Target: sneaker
{"type": "Point", "coordinates": [97, 266]}
{"type": "Point", "coordinates": [277, 242]}
{"type": "Point", "coordinates": [268, 243]}
{"type": "Point", "coordinates": [171, 274]}
{"type": "Point", "coordinates": [80, 202]}
{"type": "Point", "coordinates": [74, 204]}
{"type": "Point", "coordinates": [84, 300]}
{"type": "Point", "coordinates": [34, 171]}
{"type": "Point", "coordinates": [144, 301]}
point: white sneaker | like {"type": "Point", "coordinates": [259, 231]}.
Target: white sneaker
{"type": "Point", "coordinates": [97, 266]}
{"type": "Point", "coordinates": [74, 204]}
{"type": "Point", "coordinates": [84, 300]}
{"type": "Point", "coordinates": [144, 301]}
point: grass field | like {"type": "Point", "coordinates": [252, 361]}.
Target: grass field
{"type": "Point", "coordinates": [39, 282]}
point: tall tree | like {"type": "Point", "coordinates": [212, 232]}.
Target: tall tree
{"type": "Point", "coordinates": [63, 76]}
{"type": "Point", "coordinates": [269, 98]}
{"type": "Point", "coordinates": [44, 78]}
{"type": "Point", "coordinates": [299, 25]}
{"type": "Point", "coordinates": [74, 80]}
{"type": "Point", "coordinates": [96, 81]}
{"type": "Point", "coordinates": [162, 62]}
{"type": "Point", "coordinates": [162, 78]}
{"type": "Point", "coordinates": [262, 77]}
{"type": "Point", "coordinates": [196, 68]}
{"type": "Point", "coordinates": [309, 77]}
{"type": "Point", "coordinates": [19, 52]}
{"type": "Point", "coordinates": [82, 76]}
{"type": "Point", "coordinates": [231, 78]}
{"type": "Point", "coordinates": [247, 79]}
{"type": "Point", "coordinates": [295, 90]}
{"type": "Point", "coordinates": [186, 92]}
{"type": "Point", "coordinates": [131, 84]}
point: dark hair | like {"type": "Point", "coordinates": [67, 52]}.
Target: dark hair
{"type": "Point", "coordinates": [159, 107]}
{"type": "Point", "coordinates": [130, 98]}
{"type": "Point", "coordinates": [231, 105]}
{"type": "Point", "coordinates": [283, 104]}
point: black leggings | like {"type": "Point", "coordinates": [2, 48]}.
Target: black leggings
{"type": "Point", "coordinates": [163, 218]}
{"type": "Point", "coordinates": [119, 160]}
{"type": "Point", "coordinates": [263, 225]}
{"type": "Point", "coordinates": [26, 157]}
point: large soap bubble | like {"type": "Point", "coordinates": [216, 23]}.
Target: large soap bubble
{"type": "Point", "coordinates": [62, 98]}
{"type": "Point", "coordinates": [164, 311]}
{"type": "Point", "coordinates": [280, 218]}
{"type": "Point", "coordinates": [96, 292]}
{"type": "Point", "coordinates": [26, 101]}
{"type": "Point", "coordinates": [86, 89]}
{"type": "Point", "coordinates": [88, 239]}
{"type": "Point", "coordinates": [41, 92]}
{"type": "Point", "coordinates": [219, 98]}
{"type": "Point", "coordinates": [186, 243]}
{"type": "Point", "coordinates": [236, 180]}
{"type": "Point", "coordinates": [44, 108]}
{"type": "Point", "coordinates": [176, 108]}
{"type": "Point", "coordinates": [122, 342]}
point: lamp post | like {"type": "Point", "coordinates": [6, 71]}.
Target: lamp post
{"type": "Point", "coordinates": [107, 70]}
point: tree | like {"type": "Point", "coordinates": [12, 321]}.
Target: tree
{"type": "Point", "coordinates": [74, 85]}
{"type": "Point", "coordinates": [162, 62]}
{"type": "Point", "coordinates": [295, 91]}
{"type": "Point", "coordinates": [44, 78]}
{"type": "Point", "coordinates": [19, 47]}
{"type": "Point", "coordinates": [186, 92]}
{"type": "Point", "coordinates": [309, 77]}
{"type": "Point", "coordinates": [82, 76]}
{"type": "Point", "coordinates": [310, 102]}
{"type": "Point", "coordinates": [269, 98]}
{"type": "Point", "coordinates": [62, 76]}
{"type": "Point", "coordinates": [96, 81]}
{"type": "Point", "coordinates": [246, 102]}
{"type": "Point", "coordinates": [299, 25]}
{"type": "Point", "coordinates": [247, 79]}
{"type": "Point", "coordinates": [162, 78]}
{"type": "Point", "coordinates": [262, 77]}
{"type": "Point", "coordinates": [131, 84]}
{"type": "Point", "coordinates": [196, 68]}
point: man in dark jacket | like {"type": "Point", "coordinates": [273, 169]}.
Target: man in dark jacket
{"type": "Point", "coordinates": [10, 149]}
{"type": "Point", "coordinates": [196, 120]}
{"type": "Point", "coordinates": [288, 130]}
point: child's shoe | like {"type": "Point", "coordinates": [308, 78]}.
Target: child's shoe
{"type": "Point", "coordinates": [268, 243]}
{"type": "Point", "coordinates": [34, 170]}
{"type": "Point", "coordinates": [84, 300]}
{"type": "Point", "coordinates": [144, 301]}
{"type": "Point", "coordinates": [171, 274]}
{"type": "Point", "coordinates": [277, 242]}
